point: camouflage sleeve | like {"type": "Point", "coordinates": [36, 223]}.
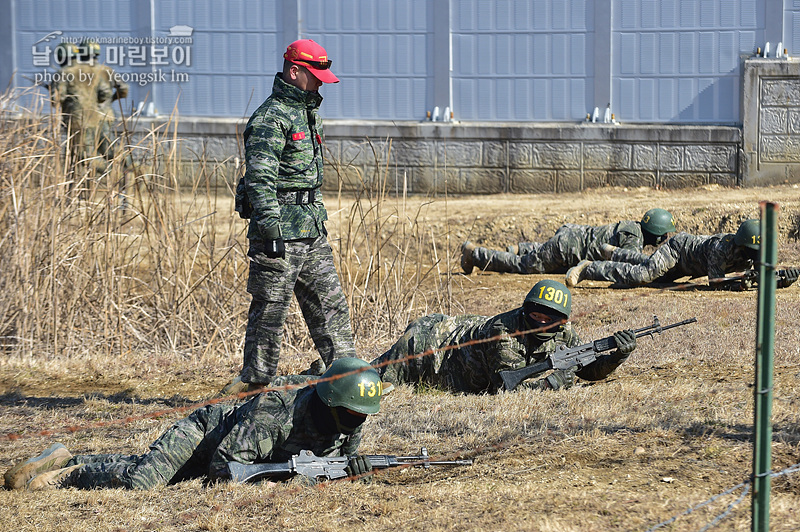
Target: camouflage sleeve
{"type": "Point", "coordinates": [104, 91]}
{"type": "Point", "coordinates": [251, 440]}
{"type": "Point", "coordinates": [264, 139]}
{"type": "Point", "coordinates": [350, 446]}
{"type": "Point", "coordinates": [120, 88]}
{"type": "Point", "coordinates": [630, 236]}
{"type": "Point", "coordinates": [504, 354]}
{"type": "Point", "coordinates": [559, 378]}
{"type": "Point", "coordinates": [718, 258]}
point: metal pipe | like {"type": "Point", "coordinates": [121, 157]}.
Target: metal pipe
{"type": "Point", "coordinates": [765, 343]}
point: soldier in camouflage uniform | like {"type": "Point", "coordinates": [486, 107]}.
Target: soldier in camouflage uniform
{"type": "Point", "coordinates": [681, 255]}
{"type": "Point", "coordinates": [85, 90]}
{"type": "Point", "coordinates": [325, 418]}
{"type": "Point", "coordinates": [571, 244]}
{"type": "Point", "coordinates": [280, 194]}
{"type": "Point", "coordinates": [431, 352]}
{"type": "Point", "coordinates": [109, 88]}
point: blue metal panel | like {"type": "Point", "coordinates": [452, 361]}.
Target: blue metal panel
{"type": "Point", "coordinates": [387, 43]}
{"type": "Point", "coordinates": [537, 50]}
{"type": "Point", "coordinates": [681, 58]}
{"type": "Point", "coordinates": [791, 27]}
{"type": "Point", "coordinates": [234, 55]}
{"type": "Point", "coordinates": [795, 34]}
{"type": "Point", "coordinates": [672, 60]}
{"type": "Point", "coordinates": [36, 19]}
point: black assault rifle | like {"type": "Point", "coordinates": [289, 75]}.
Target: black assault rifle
{"type": "Point", "coordinates": [321, 468]}
{"type": "Point", "coordinates": [581, 355]}
{"type": "Point", "coordinates": [749, 278]}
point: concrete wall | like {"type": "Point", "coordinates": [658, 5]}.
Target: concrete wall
{"type": "Point", "coordinates": [487, 158]}
{"type": "Point", "coordinates": [771, 129]}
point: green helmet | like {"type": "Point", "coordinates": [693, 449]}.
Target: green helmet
{"type": "Point", "coordinates": [749, 234]}
{"type": "Point", "coordinates": [550, 294]}
{"type": "Point", "coordinates": [658, 222]}
{"type": "Point", "coordinates": [89, 48]}
{"type": "Point", "coordinates": [65, 53]}
{"type": "Point", "coordinates": [351, 383]}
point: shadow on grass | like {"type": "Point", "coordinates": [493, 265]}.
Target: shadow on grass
{"type": "Point", "coordinates": [16, 399]}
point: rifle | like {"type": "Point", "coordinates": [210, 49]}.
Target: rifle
{"type": "Point", "coordinates": [321, 468]}
{"type": "Point", "coordinates": [581, 355]}
{"type": "Point", "coordinates": [748, 278]}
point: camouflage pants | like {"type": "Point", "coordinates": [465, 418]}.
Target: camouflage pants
{"type": "Point", "coordinates": [182, 452]}
{"type": "Point", "coordinates": [561, 252]}
{"type": "Point", "coordinates": [309, 273]}
{"type": "Point", "coordinates": [396, 367]}
{"type": "Point", "coordinates": [635, 268]}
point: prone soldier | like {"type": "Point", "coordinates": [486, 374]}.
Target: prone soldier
{"type": "Point", "coordinates": [680, 256]}
{"type": "Point", "coordinates": [467, 353]}
{"type": "Point", "coordinates": [570, 244]}
{"type": "Point", "coordinates": [325, 418]}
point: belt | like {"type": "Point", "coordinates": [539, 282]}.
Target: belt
{"type": "Point", "coordinates": [297, 197]}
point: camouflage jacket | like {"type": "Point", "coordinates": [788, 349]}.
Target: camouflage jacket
{"type": "Point", "coordinates": [476, 368]}
{"type": "Point", "coordinates": [714, 256]}
{"type": "Point", "coordinates": [283, 153]}
{"type": "Point", "coordinates": [625, 234]}
{"type": "Point", "coordinates": [80, 92]}
{"type": "Point", "coordinates": [272, 427]}
{"type": "Point", "coordinates": [110, 88]}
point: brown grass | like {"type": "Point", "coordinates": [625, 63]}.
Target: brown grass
{"type": "Point", "coordinates": [110, 313]}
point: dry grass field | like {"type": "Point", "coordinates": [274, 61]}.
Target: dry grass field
{"type": "Point", "coordinates": [115, 322]}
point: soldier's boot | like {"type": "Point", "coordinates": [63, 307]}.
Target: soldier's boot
{"type": "Point", "coordinates": [55, 457]}
{"type": "Point", "coordinates": [316, 368]}
{"type": "Point", "coordinates": [513, 249]}
{"type": "Point", "coordinates": [235, 387]}
{"type": "Point", "coordinates": [607, 251]}
{"type": "Point", "coordinates": [466, 257]}
{"type": "Point", "coordinates": [254, 386]}
{"type": "Point", "coordinates": [51, 480]}
{"type": "Point", "coordinates": [575, 274]}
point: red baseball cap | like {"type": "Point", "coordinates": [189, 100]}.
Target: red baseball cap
{"type": "Point", "coordinates": [311, 55]}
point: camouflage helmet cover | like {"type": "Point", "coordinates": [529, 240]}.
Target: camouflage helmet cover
{"type": "Point", "coordinates": [351, 383]}
{"type": "Point", "coordinates": [552, 295]}
{"type": "Point", "coordinates": [748, 234]}
{"type": "Point", "coordinates": [658, 222]}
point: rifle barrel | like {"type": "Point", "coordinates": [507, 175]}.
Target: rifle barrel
{"type": "Point", "coordinates": [660, 328]}
{"type": "Point", "coordinates": [512, 378]}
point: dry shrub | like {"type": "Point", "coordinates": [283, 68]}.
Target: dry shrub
{"type": "Point", "coordinates": [113, 262]}
{"type": "Point", "coordinates": [133, 264]}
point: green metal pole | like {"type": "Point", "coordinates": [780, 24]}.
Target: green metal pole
{"type": "Point", "coordinates": [765, 343]}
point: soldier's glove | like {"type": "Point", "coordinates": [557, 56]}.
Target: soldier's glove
{"type": "Point", "coordinates": [359, 466]}
{"type": "Point", "coordinates": [626, 341]}
{"type": "Point", "coordinates": [788, 277]}
{"type": "Point", "coordinates": [561, 379]}
{"type": "Point", "coordinates": [275, 249]}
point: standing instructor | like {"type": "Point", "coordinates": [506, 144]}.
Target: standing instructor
{"type": "Point", "coordinates": [280, 195]}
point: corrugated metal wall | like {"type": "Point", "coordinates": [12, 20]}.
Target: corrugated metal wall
{"type": "Point", "coordinates": [515, 60]}
{"type": "Point", "coordinates": [679, 60]}
{"type": "Point", "coordinates": [672, 61]}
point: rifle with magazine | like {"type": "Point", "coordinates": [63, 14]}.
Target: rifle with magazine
{"type": "Point", "coordinates": [581, 355]}
{"type": "Point", "coordinates": [749, 278]}
{"type": "Point", "coordinates": [327, 468]}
